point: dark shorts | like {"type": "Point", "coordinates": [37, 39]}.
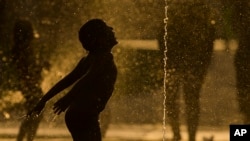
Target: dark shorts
{"type": "Point", "coordinates": [82, 126]}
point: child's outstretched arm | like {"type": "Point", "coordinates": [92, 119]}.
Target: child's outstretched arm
{"type": "Point", "coordinates": [97, 66]}
{"type": "Point", "coordinates": [72, 77]}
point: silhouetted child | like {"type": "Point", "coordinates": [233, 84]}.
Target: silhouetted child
{"type": "Point", "coordinates": [28, 75]}
{"type": "Point", "coordinates": [93, 78]}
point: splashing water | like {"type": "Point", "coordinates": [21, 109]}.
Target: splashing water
{"type": "Point", "coordinates": [52, 119]}
{"type": "Point", "coordinates": [165, 70]}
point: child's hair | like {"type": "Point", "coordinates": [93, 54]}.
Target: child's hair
{"type": "Point", "coordinates": [90, 32]}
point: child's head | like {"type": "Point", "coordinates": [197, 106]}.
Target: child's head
{"type": "Point", "coordinates": [95, 35]}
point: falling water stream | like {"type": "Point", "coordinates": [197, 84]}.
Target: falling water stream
{"type": "Point", "coordinates": [165, 70]}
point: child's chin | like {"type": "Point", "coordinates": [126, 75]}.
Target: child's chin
{"type": "Point", "coordinates": [115, 41]}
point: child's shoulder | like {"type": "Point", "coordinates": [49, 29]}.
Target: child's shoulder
{"type": "Point", "coordinates": [96, 58]}
{"type": "Point", "coordinates": [100, 56]}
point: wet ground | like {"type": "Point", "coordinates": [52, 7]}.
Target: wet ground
{"type": "Point", "coordinates": [121, 133]}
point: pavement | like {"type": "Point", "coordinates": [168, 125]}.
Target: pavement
{"type": "Point", "coordinates": [122, 132]}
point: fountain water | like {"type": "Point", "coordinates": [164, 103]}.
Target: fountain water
{"type": "Point", "coordinates": [165, 70]}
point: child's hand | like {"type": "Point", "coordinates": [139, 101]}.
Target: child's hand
{"type": "Point", "coordinates": [37, 109]}
{"type": "Point", "coordinates": [61, 105]}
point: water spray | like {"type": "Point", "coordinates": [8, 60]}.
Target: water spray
{"type": "Point", "coordinates": [165, 70]}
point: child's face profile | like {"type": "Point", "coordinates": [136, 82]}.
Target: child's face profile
{"type": "Point", "coordinates": [96, 35]}
{"type": "Point", "coordinates": [110, 36]}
